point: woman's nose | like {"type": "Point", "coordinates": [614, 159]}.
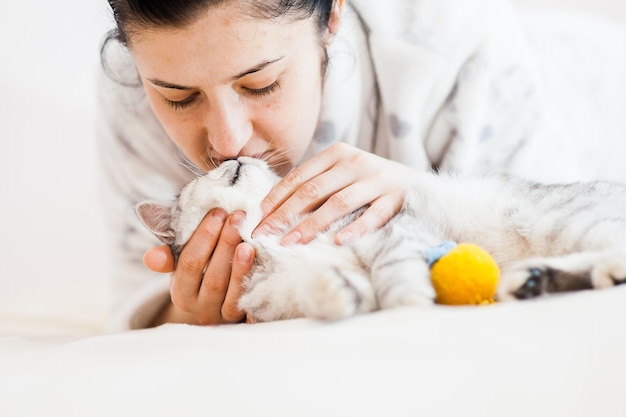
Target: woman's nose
{"type": "Point", "coordinates": [229, 128]}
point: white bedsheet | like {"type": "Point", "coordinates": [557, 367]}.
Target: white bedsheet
{"type": "Point", "coordinates": [557, 357]}
{"type": "Point", "coordinates": [560, 356]}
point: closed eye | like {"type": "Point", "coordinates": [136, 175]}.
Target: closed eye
{"type": "Point", "coordinates": [260, 92]}
{"type": "Point", "coordinates": [257, 92]}
{"type": "Point", "coordinates": [181, 104]}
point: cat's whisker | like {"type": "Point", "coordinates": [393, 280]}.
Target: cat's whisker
{"type": "Point", "coordinates": [211, 162]}
{"type": "Point", "coordinates": [277, 159]}
{"type": "Point", "coordinates": [188, 165]}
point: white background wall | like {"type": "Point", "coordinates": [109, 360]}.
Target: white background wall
{"type": "Point", "coordinates": [52, 262]}
{"type": "Point", "coordinates": [51, 248]}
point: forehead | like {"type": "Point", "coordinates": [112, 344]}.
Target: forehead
{"type": "Point", "coordinates": [222, 40]}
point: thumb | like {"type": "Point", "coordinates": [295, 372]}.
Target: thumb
{"type": "Point", "coordinates": [159, 259]}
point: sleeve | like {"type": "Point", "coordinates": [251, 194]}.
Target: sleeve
{"type": "Point", "coordinates": [459, 86]}
{"type": "Point", "coordinates": [493, 116]}
{"type": "Point", "coordinates": [137, 161]}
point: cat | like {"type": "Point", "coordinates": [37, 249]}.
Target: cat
{"type": "Point", "coordinates": [546, 238]}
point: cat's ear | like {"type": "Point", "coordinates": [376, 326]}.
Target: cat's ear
{"type": "Point", "coordinates": [157, 218]}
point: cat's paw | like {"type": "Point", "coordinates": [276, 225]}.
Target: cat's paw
{"type": "Point", "coordinates": [574, 272]}
{"type": "Point", "coordinates": [268, 301]}
{"type": "Point", "coordinates": [409, 295]}
{"type": "Point", "coordinates": [609, 272]}
{"type": "Point", "coordinates": [524, 282]}
{"type": "Point", "coordinates": [537, 278]}
{"type": "Point", "coordinates": [338, 294]}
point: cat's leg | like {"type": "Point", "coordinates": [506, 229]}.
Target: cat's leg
{"type": "Point", "coordinates": [396, 278]}
{"type": "Point", "coordinates": [319, 280]}
{"type": "Point", "coordinates": [337, 291]}
{"type": "Point", "coordinates": [402, 280]}
{"type": "Point", "coordinates": [399, 271]}
{"type": "Point", "coordinates": [269, 296]}
{"type": "Point", "coordinates": [578, 271]}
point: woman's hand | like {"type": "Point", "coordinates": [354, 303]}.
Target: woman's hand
{"type": "Point", "coordinates": [207, 282]}
{"type": "Point", "coordinates": [334, 183]}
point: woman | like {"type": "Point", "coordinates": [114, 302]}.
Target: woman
{"type": "Point", "coordinates": [348, 101]}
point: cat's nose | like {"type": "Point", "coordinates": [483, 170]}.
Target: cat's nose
{"type": "Point", "coordinates": [232, 167]}
{"type": "Point", "coordinates": [229, 165]}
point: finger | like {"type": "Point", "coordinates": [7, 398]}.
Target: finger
{"type": "Point", "coordinates": [374, 217]}
{"type": "Point", "coordinates": [341, 203]}
{"type": "Point", "coordinates": [299, 176]}
{"type": "Point", "coordinates": [217, 275]}
{"type": "Point", "coordinates": [193, 259]}
{"type": "Point", "coordinates": [159, 259]}
{"type": "Point", "coordinates": [242, 264]}
{"type": "Point", "coordinates": [310, 196]}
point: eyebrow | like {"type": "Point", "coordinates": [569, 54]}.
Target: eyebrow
{"type": "Point", "coordinates": [257, 68]}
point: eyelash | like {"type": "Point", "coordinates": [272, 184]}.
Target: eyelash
{"type": "Point", "coordinates": [183, 104]}
{"type": "Point", "coordinates": [265, 91]}
{"type": "Point", "coordinates": [260, 92]}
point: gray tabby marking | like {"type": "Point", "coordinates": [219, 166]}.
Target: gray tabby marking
{"type": "Point", "coordinates": [547, 239]}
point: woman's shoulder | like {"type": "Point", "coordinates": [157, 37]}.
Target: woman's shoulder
{"type": "Point", "coordinates": [118, 79]}
{"type": "Point", "coordinates": [428, 16]}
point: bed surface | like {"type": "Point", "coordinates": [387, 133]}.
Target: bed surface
{"type": "Point", "coordinates": [562, 356]}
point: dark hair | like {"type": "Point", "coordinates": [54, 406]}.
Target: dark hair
{"type": "Point", "coordinates": [134, 15]}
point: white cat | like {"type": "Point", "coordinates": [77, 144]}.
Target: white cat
{"type": "Point", "coordinates": [546, 239]}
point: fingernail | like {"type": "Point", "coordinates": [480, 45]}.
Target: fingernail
{"type": "Point", "coordinates": [343, 238]}
{"type": "Point", "coordinates": [262, 231]}
{"type": "Point", "coordinates": [219, 214]}
{"type": "Point", "coordinates": [291, 238]}
{"type": "Point", "coordinates": [236, 219]}
{"type": "Point", "coordinates": [244, 254]}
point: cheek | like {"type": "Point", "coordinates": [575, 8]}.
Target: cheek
{"type": "Point", "coordinates": [295, 116]}
{"type": "Point", "coordinates": [290, 124]}
{"type": "Point", "coordinates": [306, 117]}
{"type": "Point", "coordinates": [181, 129]}
{"type": "Point", "coordinates": [164, 115]}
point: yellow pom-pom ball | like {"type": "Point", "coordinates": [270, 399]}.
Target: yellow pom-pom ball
{"type": "Point", "coordinates": [467, 274]}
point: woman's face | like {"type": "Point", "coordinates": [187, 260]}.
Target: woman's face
{"type": "Point", "coordinates": [230, 85]}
